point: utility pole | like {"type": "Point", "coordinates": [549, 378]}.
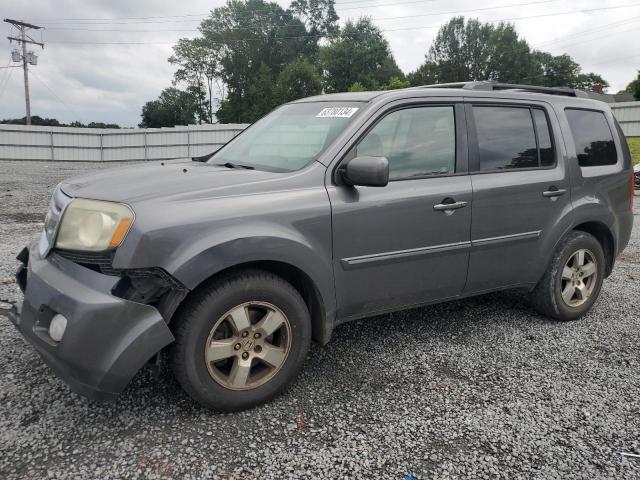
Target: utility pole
{"type": "Point", "coordinates": [27, 58]}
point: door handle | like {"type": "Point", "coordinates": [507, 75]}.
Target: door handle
{"type": "Point", "coordinates": [446, 207]}
{"type": "Point", "coordinates": [554, 192]}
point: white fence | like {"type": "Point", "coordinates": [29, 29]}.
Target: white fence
{"type": "Point", "coordinates": [628, 115]}
{"type": "Point", "coordinates": [19, 142]}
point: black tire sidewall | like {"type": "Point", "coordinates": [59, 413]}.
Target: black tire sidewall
{"type": "Point", "coordinates": [200, 321]}
{"type": "Point", "coordinates": [578, 242]}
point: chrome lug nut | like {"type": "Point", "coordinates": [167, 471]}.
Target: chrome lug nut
{"type": "Point", "coordinates": [245, 355]}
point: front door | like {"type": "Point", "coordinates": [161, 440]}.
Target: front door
{"type": "Point", "coordinates": [406, 243]}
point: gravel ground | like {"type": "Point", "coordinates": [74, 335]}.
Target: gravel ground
{"type": "Point", "coordinates": [481, 388]}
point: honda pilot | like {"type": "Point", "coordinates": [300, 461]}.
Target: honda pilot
{"type": "Point", "coordinates": [329, 209]}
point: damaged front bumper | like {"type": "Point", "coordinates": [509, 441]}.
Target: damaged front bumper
{"type": "Point", "coordinates": [107, 338]}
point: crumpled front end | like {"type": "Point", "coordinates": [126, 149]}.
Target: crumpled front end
{"type": "Point", "coordinates": [107, 338]}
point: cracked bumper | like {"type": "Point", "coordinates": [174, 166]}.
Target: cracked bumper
{"type": "Point", "coordinates": [107, 339]}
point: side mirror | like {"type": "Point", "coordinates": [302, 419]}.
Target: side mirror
{"type": "Point", "coordinates": [366, 171]}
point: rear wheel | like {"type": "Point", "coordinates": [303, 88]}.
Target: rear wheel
{"type": "Point", "coordinates": [572, 283]}
{"type": "Point", "coordinates": [241, 341]}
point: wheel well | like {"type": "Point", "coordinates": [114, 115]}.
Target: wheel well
{"type": "Point", "coordinates": [321, 328]}
{"type": "Point", "coordinates": [604, 236]}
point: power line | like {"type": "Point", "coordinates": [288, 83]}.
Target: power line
{"type": "Point", "coordinates": [73, 112]}
{"type": "Point", "coordinates": [612, 60]}
{"type": "Point", "coordinates": [433, 14]}
{"type": "Point", "coordinates": [589, 31]}
{"type": "Point", "coordinates": [267, 14]}
{"type": "Point", "coordinates": [596, 38]}
{"type": "Point", "coordinates": [4, 81]}
{"type": "Point", "coordinates": [544, 15]}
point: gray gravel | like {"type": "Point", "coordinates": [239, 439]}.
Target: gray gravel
{"type": "Point", "coordinates": [476, 388]}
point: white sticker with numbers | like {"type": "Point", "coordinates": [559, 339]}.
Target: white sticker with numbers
{"type": "Point", "coordinates": [337, 112]}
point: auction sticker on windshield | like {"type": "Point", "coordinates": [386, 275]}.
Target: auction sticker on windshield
{"type": "Point", "coordinates": [337, 112]}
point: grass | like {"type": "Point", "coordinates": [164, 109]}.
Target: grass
{"type": "Point", "coordinates": [634, 145]}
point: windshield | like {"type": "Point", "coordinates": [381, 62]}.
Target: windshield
{"type": "Point", "coordinates": [290, 137]}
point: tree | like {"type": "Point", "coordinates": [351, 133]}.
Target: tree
{"type": "Point", "coordinates": [252, 50]}
{"type": "Point", "coordinates": [319, 16]}
{"type": "Point", "coordinates": [173, 107]}
{"type": "Point", "coordinates": [396, 83]}
{"type": "Point", "coordinates": [198, 68]}
{"type": "Point", "coordinates": [359, 53]}
{"type": "Point", "coordinates": [52, 122]}
{"type": "Point", "coordinates": [471, 50]}
{"type": "Point", "coordinates": [299, 79]}
{"type": "Point", "coordinates": [426, 74]}
{"type": "Point", "coordinates": [357, 87]}
{"type": "Point", "coordinates": [634, 87]}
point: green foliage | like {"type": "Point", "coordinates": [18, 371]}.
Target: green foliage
{"type": "Point", "coordinates": [299, 79]}
{"type": "Point", "coordinates": [198, 68]}
{"type": "Point", "coordinates": [173, 107]}
{"type": "Point", "coordinates": [52, 122]}
{"type": "Point", "coordinates": [396, 83]}
{"type": "Point", "coordinates": [634, 146]}
{"type": "Point", "coordinates": [252, 49]}
{"type": "Point", "coordinates": [634, 87]}
{"type": "Point", "coordinates": [357, 87]}
{"type": "Point", "coordinates": [426, 74]}
{"type": "Point", "coordinates": [319, 16]}
{"type": "Point", "coordinates": [471, 50]}
{"type": "Point", "coordinates": [360, 53]}
{"type": "Point", "coordinates": [253, 55]}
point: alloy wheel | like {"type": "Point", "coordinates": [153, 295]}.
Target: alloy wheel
{"type": "Point", "coordinates": [579, 277]}
{"type": "Point", "coordinates": [248, 345]}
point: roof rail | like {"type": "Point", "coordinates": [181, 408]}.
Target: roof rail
{"type": "Point", "coordinates": [490, 85]}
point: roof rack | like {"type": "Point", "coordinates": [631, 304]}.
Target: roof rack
{"type": "Point", "coordinates": [490, 85]}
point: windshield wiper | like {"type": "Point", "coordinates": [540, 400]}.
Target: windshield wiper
{"type": "Point", "coordinates": [234, 165]}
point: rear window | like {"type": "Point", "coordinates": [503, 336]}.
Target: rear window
{"type": "Point", "coordinates": [592, 137]}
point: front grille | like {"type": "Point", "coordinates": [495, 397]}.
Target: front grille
{"type": "Point", "coordinates": [96, 261]}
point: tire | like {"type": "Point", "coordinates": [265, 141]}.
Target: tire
{"type": "Point", "coordinates": [547, 296]}
{"type": "Point", "coordinates": [221, 308]}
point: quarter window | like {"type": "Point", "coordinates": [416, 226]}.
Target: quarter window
{"type": "Point", "coordinates": [547, 157]}
{"type": "Point", "coordinates": [592, 137]}
{"type": "Point", "coordinates": [507, 138]}
{"type": "Point", "coordinates": [419, 141]}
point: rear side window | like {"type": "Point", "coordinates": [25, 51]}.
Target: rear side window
{"type": "Point", "coordinates": [592, 137]}
{"type": "Point", "coordinates": [512, 137]}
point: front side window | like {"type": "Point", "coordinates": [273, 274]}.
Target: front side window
{"type": "Point", "coordinates": [592, 137]}
{"type": "Point", "coordinates": [418, 141]}
{"type": "Point", "coordinates": [290, 137]}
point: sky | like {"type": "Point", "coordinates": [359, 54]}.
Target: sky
{"type": "Point", "coordinates": [81, 75]}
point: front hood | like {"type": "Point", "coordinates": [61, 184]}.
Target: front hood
{"type": "Point", "coordinates": [153, 180]}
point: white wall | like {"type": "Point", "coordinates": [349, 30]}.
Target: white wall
{"type": "Point", "coordinates": [628, 116]}
{"type": "Point", "coordinates": [19, 142]}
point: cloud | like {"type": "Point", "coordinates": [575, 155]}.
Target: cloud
{"type": "Point", "coordinates": [76, 80]}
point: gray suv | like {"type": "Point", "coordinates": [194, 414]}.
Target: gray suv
{"type": "Point", "coordinates": [329, 209]}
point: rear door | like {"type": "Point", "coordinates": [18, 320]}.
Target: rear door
{"type": "Point", "coordinates": [521, 192]}
{"type": "Point", "coordinates": [406, 243]}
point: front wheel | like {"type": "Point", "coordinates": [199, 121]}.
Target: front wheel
{"type": "Point", "coordinates": [573, 280]}
{"type": "Point", "coordinates": [240, 341]}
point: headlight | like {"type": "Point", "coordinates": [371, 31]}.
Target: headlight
{"type": "Point", "coordinates": [92, 225]}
